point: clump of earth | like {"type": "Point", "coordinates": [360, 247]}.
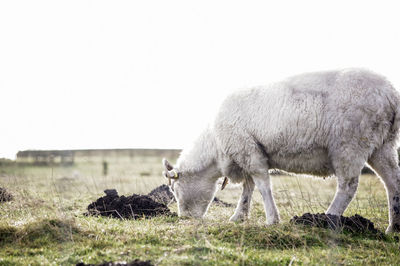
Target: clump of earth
{"type": "Point", "coordinates": [137, 206]}
{"type": "Point", "coordinates": [131, 207]}
{"type": "Point", "coordinates": [163, 195]}
{"type": "Point", "coordinates": [354, 224]}
{"type": "Point", "coordinates": [222, 203]}
{"type": "Point", "coordinates": [5, 195]}
{"type": "Point", "coordinates": [135, 262]}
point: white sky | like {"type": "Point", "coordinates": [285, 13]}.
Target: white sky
{"type": "Point", "coordinates": [149, 74]}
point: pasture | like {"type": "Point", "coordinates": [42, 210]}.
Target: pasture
{"type": "Point", "coordinates": [45, 225]}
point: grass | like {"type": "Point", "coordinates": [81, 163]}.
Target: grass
{"type": "Point", "coordinates": [45, 225]}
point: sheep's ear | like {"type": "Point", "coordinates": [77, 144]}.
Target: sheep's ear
{"type": "Point", "coordinates": [167, 165]}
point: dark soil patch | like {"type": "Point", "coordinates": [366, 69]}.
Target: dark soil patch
{"type": "Point", "coordinates": [131, 207]}
{"type": "Point", "coordinates": [222, 203]}
{"type": "Point", "coordinates": [163, 195]}
{"type": "Point", "coordinates": [5, 195]}
{"type": "Point", "coordinates": [138, 206]}
{"type": "Point", "coordinates": [353, 224]}
{"type": "Point", "coordinates": [136, 262]}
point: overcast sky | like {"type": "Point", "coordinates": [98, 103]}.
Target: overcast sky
{"type": "Point", "coordinates": [150, 74]}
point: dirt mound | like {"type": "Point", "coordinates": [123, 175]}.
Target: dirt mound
{"type": "Point", "coordinates": [162, 194]}
{"type": "Point", "coordinates": [137, 206]}
{"type": "Point", "coordinates": [5, 195]}
{"type": "Point", "coordinates": [131, 207]}
{"type": "Point", "coordinates": [136, 262]}
{"type": "Point", "coordinates": [354, 224]}
{"type": "Point", "coordinates": [222, 203]}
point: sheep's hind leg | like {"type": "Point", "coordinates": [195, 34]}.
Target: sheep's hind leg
{"type": "Point", "coordinates": [243, 207]}
{"type": "Point", "coordinates": [385, 162]}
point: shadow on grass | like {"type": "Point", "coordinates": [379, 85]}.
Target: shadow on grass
{"type": "Point", "coordinates": [288, 236]}
{"type": "Point", "coordinates": [38, 233]}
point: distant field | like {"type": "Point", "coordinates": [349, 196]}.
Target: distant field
{"type": "Point", "coordinates": [44, 224]}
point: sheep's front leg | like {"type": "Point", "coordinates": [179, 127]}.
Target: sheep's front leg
{"type": "Point", "coordinates": [243, 206]}
{"type": "Point", "coordinates": [263, 184]}
{"type": "Point", "coordinates": [347, 166]}
{"type": "Point", "coordinates": [346, 189]}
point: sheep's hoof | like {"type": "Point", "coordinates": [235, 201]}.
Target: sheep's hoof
{"type": "Point", "coordinates": [238, 218]}
{"type": "Point", "coordinates": [276, 221]}
{"type": "Point", "coordinates": [393, 228]}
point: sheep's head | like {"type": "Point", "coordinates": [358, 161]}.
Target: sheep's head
{"type": "Point", "coordinates": [192, 193]}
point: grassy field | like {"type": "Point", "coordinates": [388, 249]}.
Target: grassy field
{"type": "Point", "coordinates": [45, 225]}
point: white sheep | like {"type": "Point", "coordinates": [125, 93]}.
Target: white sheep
{"type": "Point", "coordinates": [320, 124]}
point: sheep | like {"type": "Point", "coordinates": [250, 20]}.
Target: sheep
{"type": "Point", "coordinates": [328, 123]}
